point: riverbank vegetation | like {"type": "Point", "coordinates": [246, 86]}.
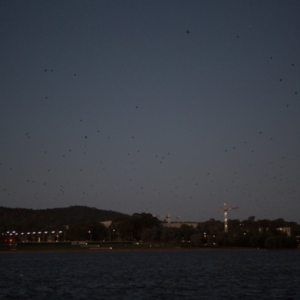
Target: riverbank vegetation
{"type": "Point", "coordinates": [144, 229]}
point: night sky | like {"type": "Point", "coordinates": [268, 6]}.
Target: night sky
{"type": "Point", "coordinates": [151, 106]}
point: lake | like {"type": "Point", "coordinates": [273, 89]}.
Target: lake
{"type": "Point", "coordinates": [216, 274]}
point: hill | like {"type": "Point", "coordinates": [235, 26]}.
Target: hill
{"type": "Point", "coordinates": [31, 219]}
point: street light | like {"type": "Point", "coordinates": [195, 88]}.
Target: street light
{"type": "Point", "coordinates": [59, 233]}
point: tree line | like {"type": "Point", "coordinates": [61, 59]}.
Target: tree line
{"type": "Point", "coordinates": [149, 229]}
{"type": "Point", "coordinates": [144, 227]}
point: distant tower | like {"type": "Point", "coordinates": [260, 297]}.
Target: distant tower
{"type": "Point", "coordinates": [168, 218]}
{"type": "Point", "coordinates": [225, 210]}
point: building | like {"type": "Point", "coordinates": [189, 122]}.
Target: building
{"type": "Point", "coordinates": [106, 223]}
{"type": "Point", "coordinates": [286, 230]}
{"type": "Point", "coordinates": [179, 224]}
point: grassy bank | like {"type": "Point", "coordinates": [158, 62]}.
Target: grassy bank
{"type": "Point", "coordinates": [105, 246]}
{"type": "Point", "coordinates": [87, 246]}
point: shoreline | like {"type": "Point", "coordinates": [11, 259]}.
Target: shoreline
{"type": "Point", "coordinates": [99, 250]}
{"type": "Point", "coordinates": [86, 247]}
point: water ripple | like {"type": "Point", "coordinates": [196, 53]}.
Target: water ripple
{"type": "Point", "coordinates": [151, 275]}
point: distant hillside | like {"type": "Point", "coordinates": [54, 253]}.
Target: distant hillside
{"type": "Point", "coordinates": [29, 219]}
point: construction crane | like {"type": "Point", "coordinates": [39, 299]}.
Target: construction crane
{"type": "Point", "coordinates": [225, 210]}
{"type": "Point", "coordinates": [168, 217]}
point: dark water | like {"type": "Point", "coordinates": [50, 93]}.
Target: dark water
{"type": "Point", "coordinates": [220, 274]}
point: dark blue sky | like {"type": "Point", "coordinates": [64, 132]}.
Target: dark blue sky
{"type": "Point", "coordinates": [114, 105]}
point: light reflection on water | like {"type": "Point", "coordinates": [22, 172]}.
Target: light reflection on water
{"type": "Point", "coordinates": [230, 274]}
